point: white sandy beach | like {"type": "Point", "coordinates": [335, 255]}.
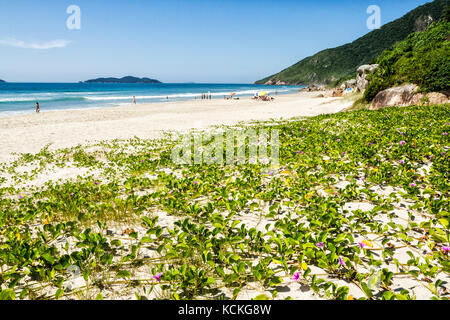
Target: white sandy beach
{"type": "Point", "coordinates": [29, 133]}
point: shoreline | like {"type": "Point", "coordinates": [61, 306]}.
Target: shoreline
{"type": "Point", "coordinates": [67, 128]}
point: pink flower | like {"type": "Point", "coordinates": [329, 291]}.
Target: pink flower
{"type": "Point", "coordinates": [338, 140]}
{"type": "Point", "coordinates": [445, 133]}
{"type": "Point", "coordinates": [402, 161]}
{"type": "Point", "coordinates": [413, 185]}
{"type": "Point", "coordinates": [361, 245]}
{"type": "Point", "coordinates": [157, 277]}
{"type": "Point", "coordinates": [402, 143]}
{"type": "Point", "coordinates": [296, 276]}
{"type": "Point", "coordinates": [446, 249]}
{"type": "Point", "coordinates": [341, 262]}
{"type": "Point", "coordinates": [195, 182]}
{"type": "Point", "coordinates": [320, 245]}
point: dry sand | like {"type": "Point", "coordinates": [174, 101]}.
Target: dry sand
{"type": "Point", "coordinates": [61, 129]}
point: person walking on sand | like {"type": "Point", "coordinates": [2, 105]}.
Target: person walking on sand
{"type": "Point", "coordinates": [38, 109]}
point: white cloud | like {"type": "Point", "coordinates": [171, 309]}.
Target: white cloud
{"type": "Point", "coordinates": [34, 45]}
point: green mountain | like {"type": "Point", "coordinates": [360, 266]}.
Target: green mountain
{"type": "Point", "coordinates": [128, 79]}
{"type": "Point", "coordinates": [423, 59]}
{"type": "Point", "coordinates": [331, 65]}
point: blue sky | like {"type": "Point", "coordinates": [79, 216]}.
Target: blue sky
{"type": "Point", "coordinates": [216, 41]}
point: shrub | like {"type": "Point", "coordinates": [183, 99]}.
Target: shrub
{"type": "Point", "coordinates": [423, 58]}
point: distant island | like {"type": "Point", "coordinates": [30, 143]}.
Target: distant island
{"type": "Point", "coordinates": [128, 79]}
{"type": "Point", "coordinates": [2, 81]}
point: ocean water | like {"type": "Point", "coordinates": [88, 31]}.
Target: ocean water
{"type": "Point", "coordinates": [20, 98]}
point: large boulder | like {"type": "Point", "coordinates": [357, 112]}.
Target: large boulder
{"type": "Point", "coordinates": [398, 96]}
{"type": "Point", "coordinates": [406, 95]}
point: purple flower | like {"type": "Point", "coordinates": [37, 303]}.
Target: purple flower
{"type": "Point", "coordinates": [195, 182]}
{"type": "Point", "coordinates": [296, 276]}
{"type": "Point", "coordinates": [445, 133]}
{"type": "Point", "coordinates": [443, 153]}
{"type": "Point", "coordinates": [96, 183]}
{"type": "Point", "coordinates": [344, 153]}
{"type": "Point", "coordinates": [431, 157]}
{"type": "Point", "coordinates": [370, 143]}
{"type": "Point", "coordinates": [20, 197]}
{"type": "Point", "coordinates": [402, 143]}
{"type": "Point", "coordinates": [361, 244]}
{"type": "Point", "coordinates": [413, 185]}
{"type": "Point", "coordinates": [446, 249]}
{"type": "Point", "coordinates": [402, 133]}
{"type": "Point", "coordinates": [324, 143]}
{"type": "Point", "coordinates": [402, 161]}
{"type": "Point", "coordinates": [157, 277]}
{"type": "Point", "coordinates": [71, 194]}
{"type": "Point", "coordinates": [341, 262]}
{"type": "Point", "coordinates": [338, 140]}
{"type": "Point", "coordinates": [320, 245]}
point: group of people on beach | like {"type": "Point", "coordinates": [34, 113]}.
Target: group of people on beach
{"type": "Point", "coordinates": [205, 96]}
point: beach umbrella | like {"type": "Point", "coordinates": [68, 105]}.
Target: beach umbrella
{"type": "Point", "coordinates": [262, 94]}
{"type": "Point", "coordinates": [234, 93]}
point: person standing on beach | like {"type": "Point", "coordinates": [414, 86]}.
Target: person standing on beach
{"type": "Point", "coordinates": [38, 109]}
{"type": "Point", "coordinates": [134, 99]}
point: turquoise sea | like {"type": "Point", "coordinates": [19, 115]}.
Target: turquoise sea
{"type": "Point", "coordinates": [20, 98]}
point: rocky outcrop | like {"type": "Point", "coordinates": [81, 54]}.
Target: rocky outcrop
{"type": "Point", "coordinates": [361, 79]}
{"type": "Point", "coordinates": [275, 83]}
{"type": "Point", "coordinates": [313, 88]}
{"type": "Point", "coordinates": [406, 95]}
{"type": "Point", "coordinates": [360, 83]}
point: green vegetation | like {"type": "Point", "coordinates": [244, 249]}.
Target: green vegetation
{"type": "Point", "coordinates": [358, 203]}
{"type": "Point", "coordinates": [331, 65]}
{"type": "Point", "coordinates": [423, 59]}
